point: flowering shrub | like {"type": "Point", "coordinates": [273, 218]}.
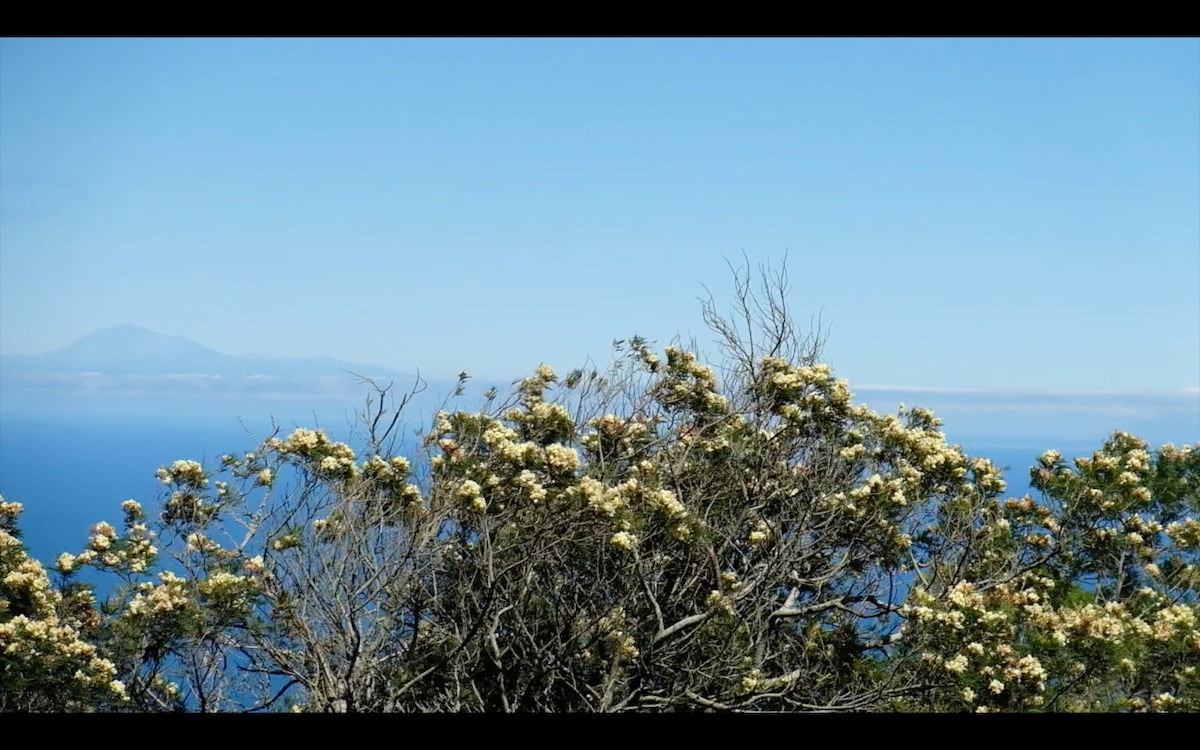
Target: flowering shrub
{"type": "Point", "coordinates": [666, 535]}
{"type": "Point", "coordinates": [47, 661]}
{"type": "Point", "coordinates": [1098, 609]}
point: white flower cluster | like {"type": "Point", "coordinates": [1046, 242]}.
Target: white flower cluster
{"type": "Point", "coordinates": [228, 590]}
{"type": "Point", "coordinates": [184, 473]}
{"type": "Point", "coordinates": [562, 459]}
{"type": "Point", "coordinates": [760, 533]}
{"type": "Point", "coordinates": [325, 455]}
{"type": "Point", "coordinates": [1185, 534]}
{"type": "Point", "coordinates": [135, 553]}
{"type": "Point", "coordinates": [472, 493]}
{"type": "Point", "coordinates": [614, 626]}
{"type": "Point", "coordinates": [623, 540]}
{"type": "Point", "coordinates": [607, 501]}
{"type": "Point", "coordinates": [36, 642]}
{"type": "Point", "coordinates": [169, 596]}
{"type": "Point", "coordinates": [687, 384]}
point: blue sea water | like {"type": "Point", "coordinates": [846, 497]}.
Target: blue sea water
{"type": "Point", "coordinates": [71, 472]}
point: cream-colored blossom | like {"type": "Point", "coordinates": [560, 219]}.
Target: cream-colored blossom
{"type": "Point", "coordinates": [760, 533]}
{"type": "Point", "coordinates": [183, 472]}
{"type": "Point", "coordinates": [623, 540]}
{"type": "Point", "coordinates": [561, 458]}
{"type": "Point", "coordinates": [66, 562]}
{"type": "Point", "coordinates": [956, 664]}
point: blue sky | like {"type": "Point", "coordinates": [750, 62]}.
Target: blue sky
{"type": "Point", "coordinates": [978, 214]}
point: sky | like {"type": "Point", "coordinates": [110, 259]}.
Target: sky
{"type": "Point", "coordinates": [961, 214]}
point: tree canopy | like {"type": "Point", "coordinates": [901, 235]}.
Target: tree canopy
{"type": "Point", "coordinates": [665, 534]}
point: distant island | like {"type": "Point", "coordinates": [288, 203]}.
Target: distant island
{"type": "Point", "coordinates": [129, 368]}
{"type": "Point", "coordinates": [130, 350]}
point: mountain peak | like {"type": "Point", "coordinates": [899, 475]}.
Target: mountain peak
{"type": "Point", "coordinates": [127, 340]}
{"type": "Point", "coordinates": [122, 333]}
{"type": "Point", "coordinates": [128, 349]}
{"type": "Point", "coordinates": [126, 328]}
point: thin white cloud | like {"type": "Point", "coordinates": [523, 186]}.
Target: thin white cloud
{"type": "Point", "coordinates": [913, 389]}
{"type": "Point", "coordinates": [1035, 406]}
{"type": "Point", "coordinates": [1017, 393]}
